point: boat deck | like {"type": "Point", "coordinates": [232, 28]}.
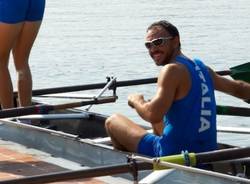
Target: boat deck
{"type": "Point", "coordinates": [17, 161]}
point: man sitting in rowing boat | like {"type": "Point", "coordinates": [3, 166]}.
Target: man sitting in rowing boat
{"type": "Point", "coordinates": [183, 110]}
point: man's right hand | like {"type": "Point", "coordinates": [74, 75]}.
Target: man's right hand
{"type": "Point", "coordinates": [135, 98]}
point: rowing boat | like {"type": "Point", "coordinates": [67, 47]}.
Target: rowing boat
{"type": "Point", "coordinates": [79, 140]}
{"type": "Point", "coordinates": [72, 144]}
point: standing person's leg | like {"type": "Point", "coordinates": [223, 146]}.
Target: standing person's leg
{"type": "Point", "coordinates": [8, 35]}
{"type": "Point", "coordinates": [21, 52]}
{"type": "Point", "coordinates": [124, 133]}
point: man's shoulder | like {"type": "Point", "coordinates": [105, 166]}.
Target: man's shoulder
{"type": "Point", "coordinates": [174, 68]}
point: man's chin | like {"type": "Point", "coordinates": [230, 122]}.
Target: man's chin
{"type": "Point", "coordinates": [158, 62]}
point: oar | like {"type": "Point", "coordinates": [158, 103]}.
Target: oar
{"type": "Point", "coordinates": [40, 109]}
{"type": "Point", "coordinates": [80, 174]}
{"type": "Point", "coordinates": [234, 111]}
{"type": "Point", "coordinates": [194, 159]}
{"type": "Point", "coordinates": [169, 164]}
{"type": "Point", "coordinates": [241, 72]}
{"type": "Point", "coordinates": [237, 71]}
{"type": "Point", "coordinates": [236, 130]}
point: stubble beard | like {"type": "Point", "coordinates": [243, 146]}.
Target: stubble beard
{"type": "Point", "coordinates": [166, 60]}
{"type": "Point", "coordinates": [171, 58]}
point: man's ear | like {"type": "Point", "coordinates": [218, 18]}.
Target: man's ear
{"type": "Point", "coordinates": [176, 41]}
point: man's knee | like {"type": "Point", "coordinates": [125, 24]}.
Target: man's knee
{"type": "Point", "coordinates": [111, 119]}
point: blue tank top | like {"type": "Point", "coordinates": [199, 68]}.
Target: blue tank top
{"type": "Point", "coordinates": [190, 123]}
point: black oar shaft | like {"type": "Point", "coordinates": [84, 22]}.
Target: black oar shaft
{"type": "Point", "coordinates": [87, 173]}
{"type": "Point", "coordinates": [231, 110]}
{"type": "Point", "coordinates": [136, 82]}
{"type": "Point", "coordinates": [40, 109]}
{"type": "Point", "coordinates": [67, 89]}
{"type": "Point", "coordinates": [92, 86]}
{"type": "Point", "coordinates": [101, 85]}
{"type": "Point", "coordinates": [224, 154]}
{"type": "Point", "coordinates": [225, 72]}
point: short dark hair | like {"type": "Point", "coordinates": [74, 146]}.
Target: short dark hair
{"type": "Point", "coordinates": [170, 28]}
{"type": "Point", "coordinates": [173, 31]}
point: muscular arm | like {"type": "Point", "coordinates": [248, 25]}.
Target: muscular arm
{"type": "Point", "coordinates": [154, 110]}
{"type": "Point", "coordinates": [235, 88]}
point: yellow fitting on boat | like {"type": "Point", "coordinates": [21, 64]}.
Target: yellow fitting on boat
{"type": "Point", "coordinates": [177, 159]}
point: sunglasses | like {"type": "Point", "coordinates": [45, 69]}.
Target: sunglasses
{"type": "Point", "coordinates": [157, 42]}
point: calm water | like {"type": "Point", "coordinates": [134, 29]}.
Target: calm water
{"type": "Point", "coordinates": [82, 42]}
